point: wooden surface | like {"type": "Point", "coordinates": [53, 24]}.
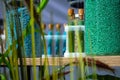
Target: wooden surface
{"type": "Point", "coordinates": [110, 60]}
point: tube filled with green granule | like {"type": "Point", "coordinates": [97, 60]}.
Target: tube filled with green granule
{"type": "Point", "coordinates": [71, 17]}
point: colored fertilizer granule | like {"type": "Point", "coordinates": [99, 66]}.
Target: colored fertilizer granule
{"type": "Point", "coordinates": [102, 32]}
{"type": "Point", "coordinates": [23, 19]}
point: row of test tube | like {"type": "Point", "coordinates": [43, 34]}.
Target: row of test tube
{"type": "Point", "coordinates": [55, 41]}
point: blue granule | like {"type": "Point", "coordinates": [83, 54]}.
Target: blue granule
{"type": "Point", "coordinates": [10, 23]}
{"type": "Point", "coordinates": [64, 44]}
{"type": "Point", "coordinates": [57, 45]}
{"type": "Point", "coordinates": [102, 32]}
{"type": "Point", "coordinates": [50, 43]}
{"type": "Point", "coordinates": [24, 20]}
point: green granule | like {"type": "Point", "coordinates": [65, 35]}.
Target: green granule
{"type": "Point", "coordinates": [102, 32]}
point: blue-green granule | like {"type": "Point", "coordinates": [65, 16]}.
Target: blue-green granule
{"type": "Point", "coordinates": [24, 19]}
{"type": "Point", "coordinates": [102, 22]}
